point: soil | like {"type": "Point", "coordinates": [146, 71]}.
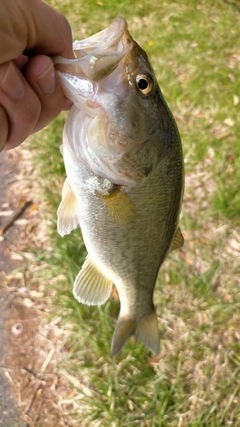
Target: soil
{"type": "Point", "coordinates": [31, 345]}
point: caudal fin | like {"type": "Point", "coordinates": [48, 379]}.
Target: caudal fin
{"type": "Point", "coordinates": [145, 330]}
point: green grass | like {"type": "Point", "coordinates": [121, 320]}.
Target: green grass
{"type": "Point", "coordinates": [194, 49]}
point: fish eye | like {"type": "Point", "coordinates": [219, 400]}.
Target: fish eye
{"type": "Point", "coordinates": [144, 83]}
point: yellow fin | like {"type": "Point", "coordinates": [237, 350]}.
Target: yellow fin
{"type": "Point", "coordinates": [178, 240]}
{"type": "Point", "coordinates": [119, 207]}
{"type": "Point", "coordinates": [91, 287]}
{"type": "Point", "coordinates": [145, 330]}
{"type": "Point", "coordinates": [67, 211]}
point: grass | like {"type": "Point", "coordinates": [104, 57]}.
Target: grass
{"type": "Point", "coordinates": [194, 49]}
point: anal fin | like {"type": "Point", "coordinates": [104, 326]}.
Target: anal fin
{"type": "Point", "coordinates": [91, 287]}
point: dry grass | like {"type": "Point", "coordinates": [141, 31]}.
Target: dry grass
{"type": "Point", "coordinates": [194, 382]}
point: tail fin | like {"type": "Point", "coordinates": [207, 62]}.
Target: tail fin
{"type": "Point", "coordinates": [145, 330]}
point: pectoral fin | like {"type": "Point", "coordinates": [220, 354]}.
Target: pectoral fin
{"type": "Point", "coordinates": [145, 330]}
{"type": "Point", "coordinates": [178, 240]}
{"type": "Point", "coordinates": [67, 211]}
{"type": "Point", "coordinates": [91, 287]}
{"type": "Point", "coordinates": [119, 206]}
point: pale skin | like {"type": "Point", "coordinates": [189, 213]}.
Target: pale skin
{"type": "Point", "coordinates": [30, 94]}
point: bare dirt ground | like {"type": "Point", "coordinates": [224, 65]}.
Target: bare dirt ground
{"type": "Point", "coordinates": [32, 391]}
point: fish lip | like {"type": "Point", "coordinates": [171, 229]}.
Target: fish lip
{"type": "Point", "coordinates": [104, 39]}
{"type": "Point", "coordinates": [115, 40]}
{"type": "Point", "coordinates": [106, 49]}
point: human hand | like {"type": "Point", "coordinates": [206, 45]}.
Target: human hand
{"type": "Point", "coordinates": [30, 94]}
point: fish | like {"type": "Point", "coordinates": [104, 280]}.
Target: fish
{"type": "Point", "coordinates": [124, 177]}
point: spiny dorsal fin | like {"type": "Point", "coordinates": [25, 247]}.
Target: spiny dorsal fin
{"type": "Point", "coordinates": [178, 240]}
{"type": "Point", "coordinates": [67, 211]}
{"type": "Point", "coordinates": [91, 287]}
{"type": "Point", "coordinates": [145, 330]}
{"type": "Point", "coordinates": [119, 207]}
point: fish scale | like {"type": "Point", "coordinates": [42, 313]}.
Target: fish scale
{"type": "Point", "coordinates": [125, 177]}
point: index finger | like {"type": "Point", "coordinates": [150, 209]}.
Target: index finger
{"type": "Point", "coordinates": [52, 35]}
{"type": "Point", "coordinates": [33, 26]}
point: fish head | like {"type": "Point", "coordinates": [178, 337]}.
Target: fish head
{"type": "Point", "coordinates": [133, 91]}
{"type": "Point", "coordinates": [112, 84]}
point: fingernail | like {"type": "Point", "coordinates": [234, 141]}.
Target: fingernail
{"type": "Point", "coordinates": [12, 84]}
{"type": "Point", "coordinates": [47, 81]}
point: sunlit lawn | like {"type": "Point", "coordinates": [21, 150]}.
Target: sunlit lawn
{"type": "Point", "coordinates": [195, 52]}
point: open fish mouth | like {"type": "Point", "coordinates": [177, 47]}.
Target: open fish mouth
{"type": "Point", "coordinates": [97, 56]}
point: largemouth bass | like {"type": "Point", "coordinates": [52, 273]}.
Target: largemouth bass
{"type": "Point", "coordinates": [124, 164]}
